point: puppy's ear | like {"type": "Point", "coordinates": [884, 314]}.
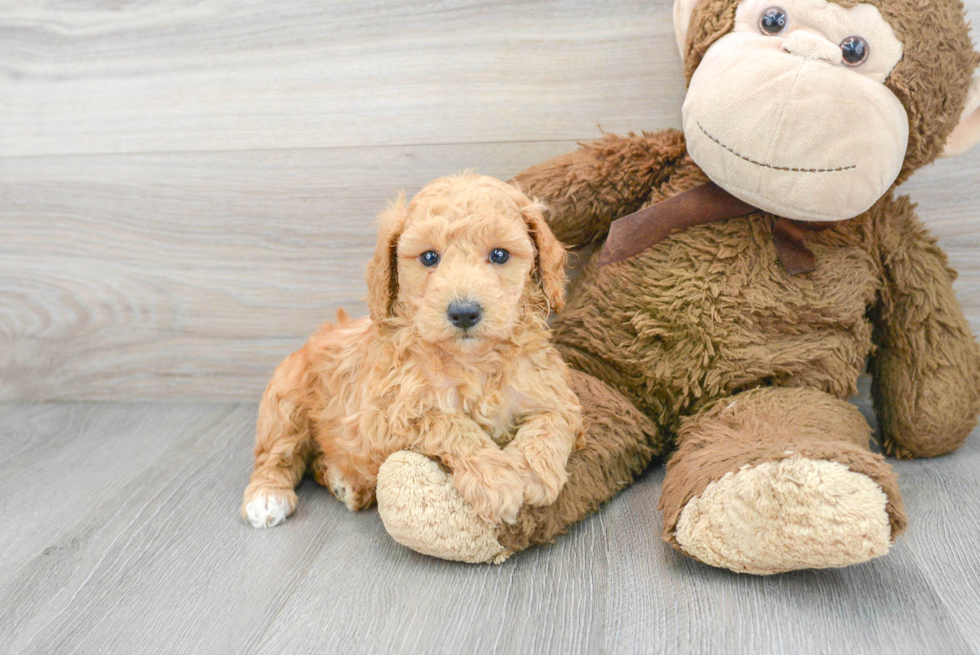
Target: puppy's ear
{"type": "Point", "coordinates": [382, 270]}
{"type": "Point", "coordinates": [551, 255]}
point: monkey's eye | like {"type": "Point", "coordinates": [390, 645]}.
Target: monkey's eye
{"type": "Point", "coordinates": [773, 20]}
{"type": "Point", "coordinates": [429, 258]}
{"type": "Point", "coordinates": [499, 256]}
{"type": "Point", "coordinates": [855, 50]}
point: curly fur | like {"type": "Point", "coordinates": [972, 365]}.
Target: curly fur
{"type": "Point", "coordinates": [492, 402]}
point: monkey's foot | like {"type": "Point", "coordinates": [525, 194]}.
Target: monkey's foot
{"type": "Point", "coordinates": [786, 515]}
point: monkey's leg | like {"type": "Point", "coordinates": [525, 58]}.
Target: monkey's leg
{"type": "Point", "coordinates": [779, 479]}
{"type": "Point", "coordinates": [422, 510]}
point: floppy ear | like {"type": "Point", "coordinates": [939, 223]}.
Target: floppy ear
{"type": "Point", "coordinates": [682, 21]}
{"type": "Point", "coordinates": [551, 255]}
{"type": "Point", "coordinates": [382, 270]}
{"type": "Point", "coordinates": [967, 133]}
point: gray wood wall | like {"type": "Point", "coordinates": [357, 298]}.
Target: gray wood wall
{"type": "Point", "coordinates": [187, 187]}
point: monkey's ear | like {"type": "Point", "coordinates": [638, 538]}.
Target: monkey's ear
{"type": "Point", "coordinates": [550, 256]}
{"type": "Point", "coordinates": [967, 133]}
{"type": "Point", "coordinates": [382, 270]}
{"type": "Point", "coordinates": [682, 21]}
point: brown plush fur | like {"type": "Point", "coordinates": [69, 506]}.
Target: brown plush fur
{"type": "Point", "coordinates": [620, 442]}
{"type": "Point", "coordinates": [407, 378]}
{"type": "Point", "coordinates": [770, 424]}
{"type": "Point", "coordinates": [709, 315]}
{"type": "Point", "coordinates": [697, 328]}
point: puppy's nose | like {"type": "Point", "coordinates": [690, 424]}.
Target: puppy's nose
{"type": "Point", "coordinates": [464, 313]}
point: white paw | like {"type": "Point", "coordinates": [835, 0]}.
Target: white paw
{"type": "Point", "coordinates": [268, 510]}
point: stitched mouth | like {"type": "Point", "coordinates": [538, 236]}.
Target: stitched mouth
{"type": "Point", "coordinates": [775, 168]}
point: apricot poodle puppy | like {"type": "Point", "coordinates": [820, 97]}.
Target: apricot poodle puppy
{"type": "Point", "coordinates": [455, 362]}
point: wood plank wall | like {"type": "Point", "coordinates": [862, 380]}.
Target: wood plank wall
{"type": "Point", "coordinates": [187, 187]}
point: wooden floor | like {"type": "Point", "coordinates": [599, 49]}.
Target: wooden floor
{"type": "Point", "coordinates": [121, 535]}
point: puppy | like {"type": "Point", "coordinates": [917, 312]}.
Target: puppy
{"type": "Point", "coordinates": [454, 362]}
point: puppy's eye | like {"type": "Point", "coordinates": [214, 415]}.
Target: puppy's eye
{"type": "Point", "coordinates": [773, 20]}
{"type": "Point", "coordinates": [855, 50]}
{"type": "Point", "coordinates": [429, 258]}
{"type": "Point", "coordinates": [499, 256]}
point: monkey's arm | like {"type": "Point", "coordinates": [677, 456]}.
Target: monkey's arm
{"type": "Point", "coordinates": [926, 370]}
{"type": "Point", "coordinates": [587, 189]}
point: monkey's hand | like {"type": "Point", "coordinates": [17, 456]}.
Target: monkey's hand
{"type": "Point", "coordinates": [926, 371]}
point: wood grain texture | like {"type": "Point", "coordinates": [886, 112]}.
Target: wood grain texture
{"type": "Point", "coordinates": [182, 75]}
{"type": "Point", "coordinates": [83, 455]}
{"type": "Point", "coordinates": [944, 541]}
{"type": "Point", "coordinates": [160, 562]}
{"type": "Point", "coordinates": [191, 276]}
{"type": "Point", "coordinates": [187, 186]}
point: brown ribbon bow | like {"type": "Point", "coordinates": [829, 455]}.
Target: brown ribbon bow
{"type": "Point", "coordinates": [708, 203]}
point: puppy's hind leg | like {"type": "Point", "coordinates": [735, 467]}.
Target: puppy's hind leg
{"type": "Point", "coordinates": [283, 444]}
{"type": "Point", "coordinates": [338, 474]}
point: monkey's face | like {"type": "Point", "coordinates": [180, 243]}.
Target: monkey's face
{"type": "Point", "coordinates": [790, 112]}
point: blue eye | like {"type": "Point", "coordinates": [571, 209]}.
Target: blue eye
{"type": "Point", "coordinates": [429, 258]}
{"type": "Point", "coordinates": [499, 256]}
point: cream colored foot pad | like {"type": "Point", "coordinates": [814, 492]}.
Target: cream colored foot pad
{"type": "Point", "coordinates": [787, 515]}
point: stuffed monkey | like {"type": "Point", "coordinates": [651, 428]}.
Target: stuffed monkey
{"type": "Point", "coordinates": [745, 272]}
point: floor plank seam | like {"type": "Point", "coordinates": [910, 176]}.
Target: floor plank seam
{"type": "Point", "coordinates": [253, 644]}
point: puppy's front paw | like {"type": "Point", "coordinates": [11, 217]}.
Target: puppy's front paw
{"type": "Point", "coordinates": [544, 474]}
{"type": "Point", "coordinates": [539, 493]}
{"type": "Point", "coordinates": [491, 486]}
{"type": "Point", "coordinates": [267, 509]}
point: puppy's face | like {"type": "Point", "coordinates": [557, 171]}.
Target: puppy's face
{"type": "Point", "coordinates": [465, 259]}
{"type": "Point", "coordinates": [466, 263]}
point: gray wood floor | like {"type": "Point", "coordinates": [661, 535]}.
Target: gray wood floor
{"type": "Point", "coordinates": [121, 535]}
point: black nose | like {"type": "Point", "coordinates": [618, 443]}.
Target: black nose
{"type": "Point", "coordinates": [464, 314]}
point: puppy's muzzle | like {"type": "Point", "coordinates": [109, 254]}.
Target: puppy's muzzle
{"type": "Point", "coordinates": [464, 314]}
